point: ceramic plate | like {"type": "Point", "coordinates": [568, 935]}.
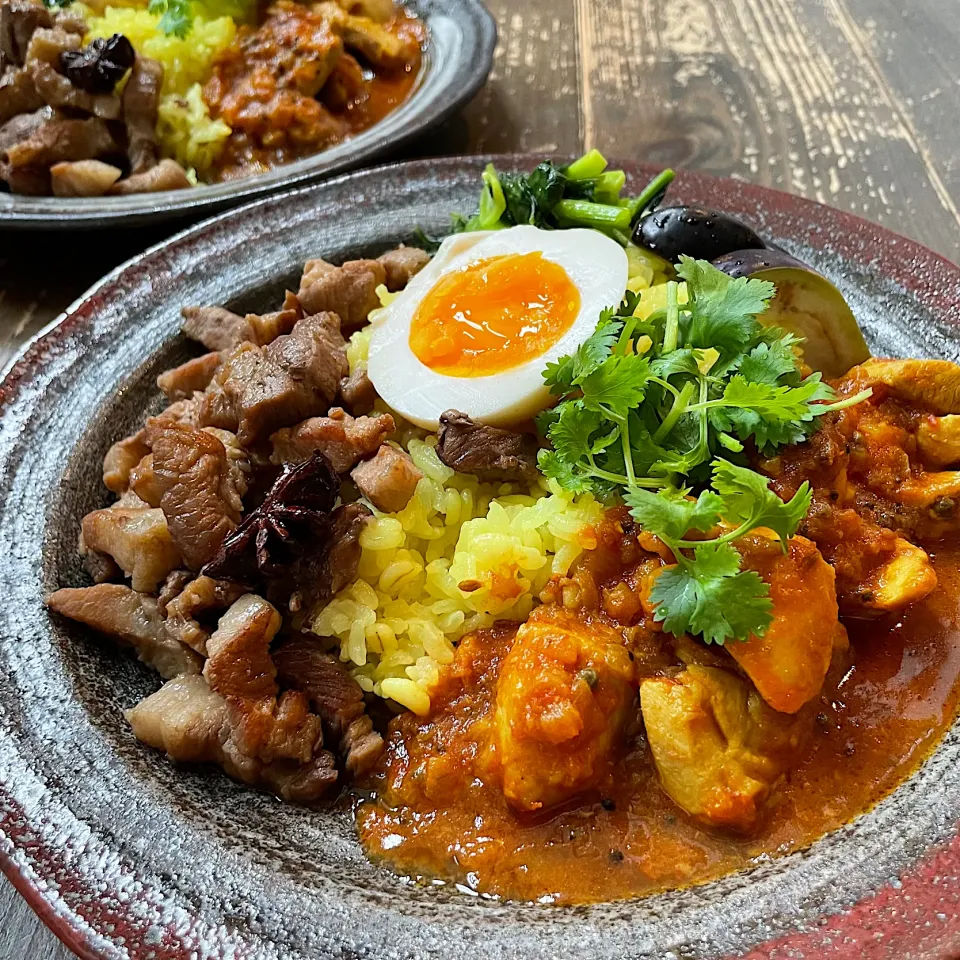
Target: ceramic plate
{"type": "Point", "coordinates": [456, 62]}
{"type": "Point", "coordinates": [127, 857]}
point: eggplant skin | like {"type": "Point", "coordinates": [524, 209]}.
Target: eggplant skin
{"type": "Point", "coordinates": [748, 263]}
{"type": "Point", "coordinates": [695, 231]}
{"type": "Point", "coordinates": [807, 305]}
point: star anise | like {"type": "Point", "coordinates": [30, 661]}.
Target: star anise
{"type": "Point", "coordinates": [294, 518]}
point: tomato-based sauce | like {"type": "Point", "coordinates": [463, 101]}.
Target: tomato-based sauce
{"type": "Point", "coordinates": [437, 814]}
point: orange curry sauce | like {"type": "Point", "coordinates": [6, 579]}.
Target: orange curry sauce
{"type": "Point", "coordinates": [873, 724]}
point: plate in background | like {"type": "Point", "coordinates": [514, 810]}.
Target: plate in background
{"type": "Point", "coordinates": [459, 54]}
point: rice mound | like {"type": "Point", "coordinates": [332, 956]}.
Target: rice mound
{"type": "Point", "coordinates": [461, 555]}
{"type": "Point", "coordinates": [185, 128]}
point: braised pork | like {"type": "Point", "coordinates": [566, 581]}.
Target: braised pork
{"type": "Point", "coordinates": [489, 453]}
{"type": "Point", "coordinates": [342, 439]}
{"type": "Point", "coordinates": [402, 265]}
{"type": "Point", "coordinates": [387, 480]}
{"type": "Point", "coordinates": [350, 291]}
{"type": "Point", "coordinates": [183, 381]}
{"type": "Point", "coordinates": [141, 98]}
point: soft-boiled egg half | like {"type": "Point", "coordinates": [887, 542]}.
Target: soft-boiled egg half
{"type": "Point", "coordinates": [476, 327]}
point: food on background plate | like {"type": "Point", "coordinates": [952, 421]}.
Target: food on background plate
{"type": "Point", "coordinates": [569, 559]}
{"type": "Point", "coordinates": [142, 96]}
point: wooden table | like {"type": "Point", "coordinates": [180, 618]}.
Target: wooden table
{"type": "Point", "coordinates": [855, 103]}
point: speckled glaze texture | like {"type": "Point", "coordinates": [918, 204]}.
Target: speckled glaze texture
{"type": "Point", "coordinates": [456, 63]}
{"type": "Point", "coordinates": [127, 857]}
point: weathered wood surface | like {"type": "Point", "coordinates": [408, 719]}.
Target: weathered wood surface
{"type": "Point", "coordinates": [855, 103]}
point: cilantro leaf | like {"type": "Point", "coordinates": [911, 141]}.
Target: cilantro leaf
{"type": "Point", "coordinates": [553, 467]}
{"type": "Point", "coordinates": [712, 597]}
{"type": "Point", "coordinates": [176, 16]}
{"type": "Point", "coordinates": [723, 310]}
{"type": "Point", "coordinates": [747, 498]}
{"type": "Point", "coordinates": [570, 433]}
{"type": "Point", "coordinates": [617, 385]}
{"type": "Point", "coordinates": [768, 362]}
{"type": "Point", "coordinates": [671, 514]}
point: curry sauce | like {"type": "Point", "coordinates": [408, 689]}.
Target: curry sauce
{"type": "Point", "coordinates": [872, 725]}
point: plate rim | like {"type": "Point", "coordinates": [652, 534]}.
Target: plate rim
{"type": "Point", "coordinates": [71, 929]}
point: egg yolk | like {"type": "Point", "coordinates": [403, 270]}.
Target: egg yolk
{"type": "Point", "coordinates": [494, 315]}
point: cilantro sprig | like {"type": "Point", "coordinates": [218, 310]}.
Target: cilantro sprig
{"type": "Point", "coordinates": [176, 16]}
{"type": "Point", "coordinates": [654, 410]}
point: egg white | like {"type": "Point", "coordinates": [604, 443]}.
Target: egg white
{"type": "Point", "coordinates": [596, 265]}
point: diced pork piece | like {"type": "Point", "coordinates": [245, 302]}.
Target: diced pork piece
{"type": "Point", "coordinates": [121, 458]}
{"type": "Point", "coordinates": [191, 723]}
{"type": "Point", "coordinates": [342, 439]}
{"type": "Point", "coordinates": [388, 480]}
{"type": "Point", "coordinates": [183, 381]}
{"type": "Point", "coordinates": [141, 97]}
{"type": "Point", "coordinates": [933, 385]}
{"type": "Point", "coordinates": [719, 749]}
{"type": "Point", "coordinates": [489, 453]}
{"type": "Point", "coordinates": [131, 617]}
{"type": "Point", "coordinates": [166, 175]}
{"type": "Point", "coordinates": [22, 126]}
{"type": "Point", "coordinates": [144, 482]}
{"type": "Point", "coordinates": [349, 291]}
{"type": "Point", "coordinates": [357, 392]}
{"type": "Point", "coordinates": [303, 664]}
{"type": "Point", "coordinates": [100, 566]}
{"type": "Point", "coordinates": [18, 95]}
{"type": "Point", "coordinates": [138, 540]}
{"type": "Point", "coordinates": [258, 390]}
{"type": "Point", "coordinates": [70, 21]}
{"type": "Point", "coordinates": [938, 438]}
{"type": "Point", "coordinates": [182, 411]}
{"type": "Point", "coordinates": [219, 329]}
{"type": "Point", "coordinates": [790, 661]}
{"type": "Point", "coordinates": [563, 699]}
{"type": "Point", "coordinates": [199, 598]}
{"type": "Point", "coordinates": [63, 139]}
{"type": "Point", "coordinates": [184, 717]}
{"type": "Point", "coordinates": [215, 327]}
{"type": "Point", "coordinates": [203, 476]}
{"type": "Point", "coordinates": [240, 669]}
{"type": "Point", "coordinates": [321, 573]}
{"type": "Point", "coordinates": [54, 88]}
{"type": "Point", "coordinates": [83, 178]}
{"type": "Point", "coordinates": [18, 21]}
{"type": "Point", "coordinates": [402, 265]}
{"type": "Point", "coordinates": [173, 586]}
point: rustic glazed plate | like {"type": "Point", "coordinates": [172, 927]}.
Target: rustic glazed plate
{"type": "Point", "coordinates": [125, 856]}
{"type": "Point", "coordinates": [459, 54]}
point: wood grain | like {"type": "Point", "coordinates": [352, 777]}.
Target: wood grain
{"type": "Point", "coordinates": [850, 102]}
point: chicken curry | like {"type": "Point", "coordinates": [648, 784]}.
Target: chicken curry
{"type": "Point", "coordinates": [589, 755]}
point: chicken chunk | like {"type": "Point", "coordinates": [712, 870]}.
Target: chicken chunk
{"type": "Point", "coordinates": [388, 480]}
{"type": "Point", "coordinates": [719, 749]}
{"type": "Point", "coordinates": [139, 541]}
{"type": "Point", "coordinates": [342, 439]}
{"type": "Point", "coordinates": [349, 291]}
{"type": "Point", "coordinates": [933, 385]}
{"type": "Point", "coordinates": [132, 618]}
{"type": "Point", "coordinates": [563, 698]}
{"type": "Point", "coordinates": [790, 661]}
{"type": "Point", "coordinates": [938, 439]}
